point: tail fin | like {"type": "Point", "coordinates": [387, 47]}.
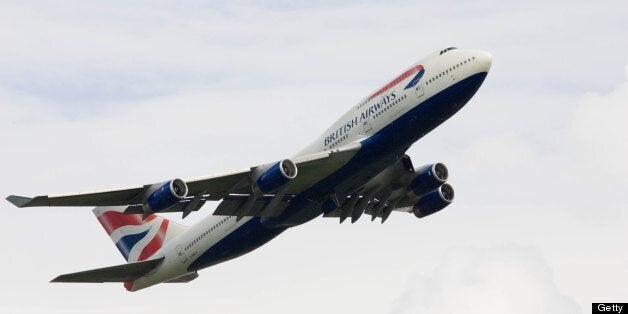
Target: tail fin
{"type": "Point", "coordinates": [136, 239]}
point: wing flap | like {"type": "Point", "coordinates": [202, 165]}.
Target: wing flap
{"type": "Point", "coordinates": [230, 205]}
{"type": "Point", "coordinates": [119, 273]}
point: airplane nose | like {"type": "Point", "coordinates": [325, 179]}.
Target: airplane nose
{"type": "Point", "coordinates": [485, 59]}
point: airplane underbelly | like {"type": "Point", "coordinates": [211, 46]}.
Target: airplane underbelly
{"type": "Point", "coordinates": [240, 241]}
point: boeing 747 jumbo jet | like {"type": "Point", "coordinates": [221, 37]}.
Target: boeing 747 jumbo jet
{"type": "Point", "coordinates": [356, 166]}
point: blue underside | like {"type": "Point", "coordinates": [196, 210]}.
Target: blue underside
{"type": "Point", "coordinates": [246, 238]}
{"type": "Point", "coordinates": [378, 151]}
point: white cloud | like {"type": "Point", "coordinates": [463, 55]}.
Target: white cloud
{"type": "Point", "coordinates": [505, 279]}
{"type": "Point", "coordinates": [600, 125]}
{"type": "Point", "coordinates": [80, 54]}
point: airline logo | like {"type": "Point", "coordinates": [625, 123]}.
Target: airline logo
{"type": "Point", "coordinates": [415, 80]}
{"type": "Point", "coordinates": [137, 240]}
{"type": "Point", "coordinates": [373, 108]}
{"type": "Point", "coordinates": [419, 70]}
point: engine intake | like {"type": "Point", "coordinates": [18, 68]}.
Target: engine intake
{"type": "Point", "coordinates": [165, 195]}
{"type": "Point", "coordinates": [428, 178]}
{"type": "Point", "coordinates": [276, 177]}
{"type": "Point", "coordinates": [434, 201]}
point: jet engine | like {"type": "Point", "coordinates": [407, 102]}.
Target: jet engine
{"type": "Point", "coordinates": [434, 201]}
{"type": "Point", "coordinates": [275, 177]}
{"type": "Point", "coordinates": [428, 178]}
{"type": "Point", "coordinates": [165, 195]}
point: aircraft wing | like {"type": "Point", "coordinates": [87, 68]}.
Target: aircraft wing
{"type": "Point", "coordinates": [119, 273]}
{"type": "Point", "coordinates": [311, 169]}
{"type": "Point", "coordinates": [215, 184]}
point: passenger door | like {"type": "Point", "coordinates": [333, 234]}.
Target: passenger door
{"type": "Point", "coordinates": [366, 126]}
{"type": "Point", "coordinates": [419, 90]}
{"type": "Point", "coordinates": [181, 254]}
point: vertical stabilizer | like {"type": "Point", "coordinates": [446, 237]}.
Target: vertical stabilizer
{"type": "Point", "coordinates": [137, 239]}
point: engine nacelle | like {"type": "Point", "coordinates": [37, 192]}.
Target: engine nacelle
{"type": "Point", "coordinates": [434, 201]}
{"type": "Point", "coordinates": [428, 178]}
{"type": "Point", "coordinates": [275, 177]}
{"type": "Point", "coordinates": [165, 195]}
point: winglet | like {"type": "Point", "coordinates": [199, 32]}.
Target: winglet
{"type": "Point", "coordinates": [19, 201]}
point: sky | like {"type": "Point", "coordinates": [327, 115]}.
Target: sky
{"type": "Point", "coordinates": [114, 94]}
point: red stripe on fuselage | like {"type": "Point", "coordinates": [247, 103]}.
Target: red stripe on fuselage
{"type": "Point", "coordinates": [396, 81]}
{"type": "Point", "coordinates": [156, 243]}
{"type": "Point", "coordinates": [112, 220]}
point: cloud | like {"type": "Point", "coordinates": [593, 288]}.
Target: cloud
{"type": "Point", "coordinates": [80, 54]}
{"type": "Point", "coordinates": [600, 125]}
{"type": "Point", "coordinates": [504, 279]}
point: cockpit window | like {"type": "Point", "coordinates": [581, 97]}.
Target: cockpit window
{"type": "Point", "coordinates": [447, 49]}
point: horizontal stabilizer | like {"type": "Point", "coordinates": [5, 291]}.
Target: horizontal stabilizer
{"type": "Point", "coordinates": [120, 273]}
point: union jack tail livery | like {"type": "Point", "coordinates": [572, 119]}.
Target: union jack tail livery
{"type": "Point", "coordinates": [136, 239]}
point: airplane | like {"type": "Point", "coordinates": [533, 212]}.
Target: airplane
{"type": "Point", "coordinates": [357, 166]}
